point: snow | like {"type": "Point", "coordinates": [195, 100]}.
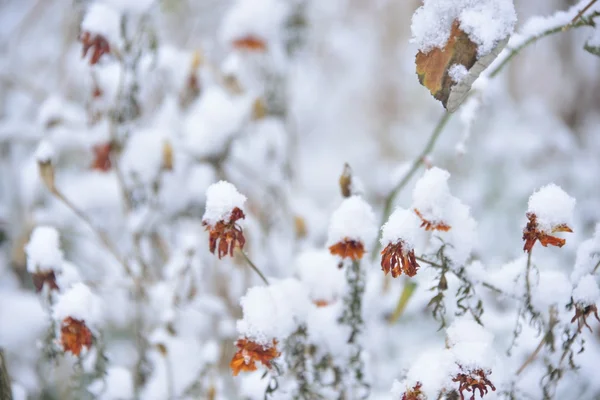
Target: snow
{"type": "Point", "coordinates": [586, 292]}
{"type": "Point", "coordinates": [44, 152]}
{"type": "Point", "coordinates": [213, 120]}
{"type": "Point", "coordinates": [273, 312]}
{"type": "Point", "coordinates": [142, 158]}
{"type": "Point", "coordinates": [352, 220]}
{"type": "Point", "coordinates": [431, 195]}
{"type": "Point", "coordinates": [319, 271]}
{"type": "Point", "coordinates": [116, 385]}
{"type": "Point", "coordinates": [432, 369]}
{"type": "Point", "coordinates": [552, 289]}
{"type": "Point", "coordinates": [487, 22]}
{"type": "Point", "coordinates": [471, 344]}
{"type": "Point", "coordinates": [594, 40]}
{"type": "Point", "coordinates": [43, 250]}
{"type": "Point", "coordinates": [259, 18]}
{"type": "Point", "coordinates": [221, 198]}
{"type": "Point", "coordinates": [457, 72]}
{"type": "Point", "coordinates": [588, 256]}
{"type": "Point", "coordinates": [403, 225]}
{"type": "Point", "coordinates": [104, 20]}
{"type": "Point", "coordinates": [552, 207]}
{"type": "Point", "coordinates": [79, 303]}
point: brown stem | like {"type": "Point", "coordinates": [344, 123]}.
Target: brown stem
{"type": "Point", "coordinates": [580, 13]}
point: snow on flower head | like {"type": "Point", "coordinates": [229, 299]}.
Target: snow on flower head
{"type": "Point", "coordinates": [318, 270]}
{"type": "Point", "coordinates": [588, 256]}
{"type": "Point", "coordinates": [487, 22]}
{"type": "Point", "coordinates": [444, 214]}
{"type": "Point", "coordinates": [352, 227]}
{"type": "Point", "coordinates": [43, 250]}
{"type": "Point", "coordinates": [270, 315]}
{"type": "Point", "coordinates": [398, 238]}
{"type": "Point", "coordinates": [44, 152]}
{"type": "Point", "coordinates": [78, 312]}
{"type": "Point", "coordinates": [585, 296]}
{"type": "Point", "coordinates": [550, 210]}
{"type": "Point", "coordinates": [471, 347]}
{"type": "Point", "coordinates": [424, 382]}
{"type": "Point", "coordinates": [224, 208]}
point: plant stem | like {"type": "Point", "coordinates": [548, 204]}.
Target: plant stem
{"type": "Point", "coordinates": [254, 267]}
{"type": "Point", "coordinates": [5, 386]}
{"type": "Point", "coordinates": [389, 201]}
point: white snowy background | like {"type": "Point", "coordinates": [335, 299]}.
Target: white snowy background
{"type": "Point", "coordinates": [334, 83]}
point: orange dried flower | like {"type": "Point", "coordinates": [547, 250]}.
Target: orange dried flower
{"type": "Point", "coordinates": [75, 335]}
{"type": "Point", "coordinates": [250, 43]}
{"type": "Point", "coordinates": [582, 313]}
{"type": "Point", "coordinates": [348, 248]}
{"type": "Point", "coordinates": [44, 277]}
{"type": "Point", "coordinates": [102, 157]}
{"type": "Point", "coordinates": [396, 260]}
{"type": "Point", "coordinates": [96, 43]}
{"type": "Point", "coordinates": [226, 235]}
{"type": "Point", "coordinates": [432, 226]}
{"type": "Point", "coordinates": [321, 303]}
{"type": "Point", "coordinates": [414, 393]}
{"type": "Point", "coordinates": [473, 380]}
{"type": "Point", "coordinates": [249, 353]}
{"type": "Point", "coordinates": [532, 232]}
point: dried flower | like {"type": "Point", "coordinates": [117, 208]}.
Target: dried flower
{"type": "Point", "coordinates": [432, 225]}
{"type": "Point", "coordinates": [75, 335]}
{"type": "Point", "coordinates": [102, 157]}
{"type": "Point", "coordinates": [96, 43]}
{"type": "Point", "coordinates": [249, 353]}
{"type": "Point", "coordinates": [533, 232]}
{"type": "Point", "coordinates": [473, 380]}
{"type": "Point", "coordinates": [348, 249]}
{"type": "Point", "coordinates": [396, 259]}
{"type": "Point", "coordinates": [414, 393]}
{"type": "Point", "coordinates": [226, 235]}
{"type": "Point", "coordinates": [250, 43]}
{"type": "Point", "coordinates": [582, 313]}
{"type": "Point", "coordinates": [42, 278]}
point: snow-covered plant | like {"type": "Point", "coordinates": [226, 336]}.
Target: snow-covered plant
{"type": "Point", "coordinates": [174, 225]}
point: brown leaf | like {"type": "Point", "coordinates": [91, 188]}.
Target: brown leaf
{"type": "Point", "coordinates": [433, 67]}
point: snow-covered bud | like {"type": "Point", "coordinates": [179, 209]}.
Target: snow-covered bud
{"type": "Point", "coordinates": [270, 315]}
{"type": "Point", "coordinates": [550, 211]}
{"type": "Point", "coordinates": [224, 207]}
{"type": "Point", "coordinates": [317, 270]}
{"type": "Point", "coordinates": [398, 240]}
{"type": "Point", "coordinates": [78, 311]}
{"type": "Point", "coordinates": [585, 296]}
{"type": "Point", "coordinates": [44, 155]}
{"type": "Point", "coordinates": [44, 257]}
{"type": "Point", "coordinates": [346, 181]}
{"type": "Point", "coordinates": [352, 227]}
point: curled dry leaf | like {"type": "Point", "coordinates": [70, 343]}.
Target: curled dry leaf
{"type": "Point", "coordinates": [433, 67]}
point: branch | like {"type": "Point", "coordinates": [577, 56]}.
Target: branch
{"type": "Point", "coordinates": [253, 266]}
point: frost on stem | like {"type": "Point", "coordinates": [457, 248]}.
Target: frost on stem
{"type": "Point", "coordinates": [398, 237]}
{"type": "Point", "coordinates": [44, 257]}
{"type": "Point", "coordinates": [270, 315]}
{"type": "Point", "coordinates": [224, 208]}
{"type": "Point", "coordinates": [79, 312]}
{"type": "Point", "coordinates": [550, 211]}
{"type": "Point", "coordinates": [352, 226]}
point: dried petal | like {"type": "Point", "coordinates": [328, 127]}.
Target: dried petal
{"type": "Point", "coordinates": [532, 233]}
{"type": "Point", "coordinates": [250, 43]}
{"type": "Point", "coordinates": [249, 353]}
{"type": "Point", "coordinates": [432, 226]}
{"type": "Point", "coordinates": [348, 249]}
{"type": "Point", "coordinates": [75, 335]}
{"type": "Point", "coordinates": [44, 277]}
{"type": "Point", "coordinates": [397, 260]}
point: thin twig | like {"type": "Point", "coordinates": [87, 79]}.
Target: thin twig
{"type": "Point", "coordinates": [580, 13]}
{"type": "Point", "coordinates": [553, 322]}
{"type": "Point", "coordinates": [254, 267]}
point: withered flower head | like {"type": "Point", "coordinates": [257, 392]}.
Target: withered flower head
{"type": "Point", "coordinates": [250, 43]}
{"type": "Point", "coordinates": [432, 225]}
{"type": "Point", "coordinates": [44, 277]}
{"type": "Point", "coordinates": [533, 232]}
{"type": "Point", "coordinates": [97, 44]}
{"type": "Point", "coordinates": [414, 393]}
{"type": "Point", "coordinates": [472, 381]}
{"type": "Point", "coordinates": [396, 259]}
{"type": "Point", "coordinates": [226, 235]}
{"type": "Point", "coordinates": [102, 157]}
{"type": "Point", "coordinates": [582, 313]}
{"type": "Point", "coordinates": [348, 249]}
{"type": "Point", "coordinates": [75, 335]}
{"type": "Point", "coordinates": [223, 209]}
{"type": "Point", "coordinates": [249, 353]}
